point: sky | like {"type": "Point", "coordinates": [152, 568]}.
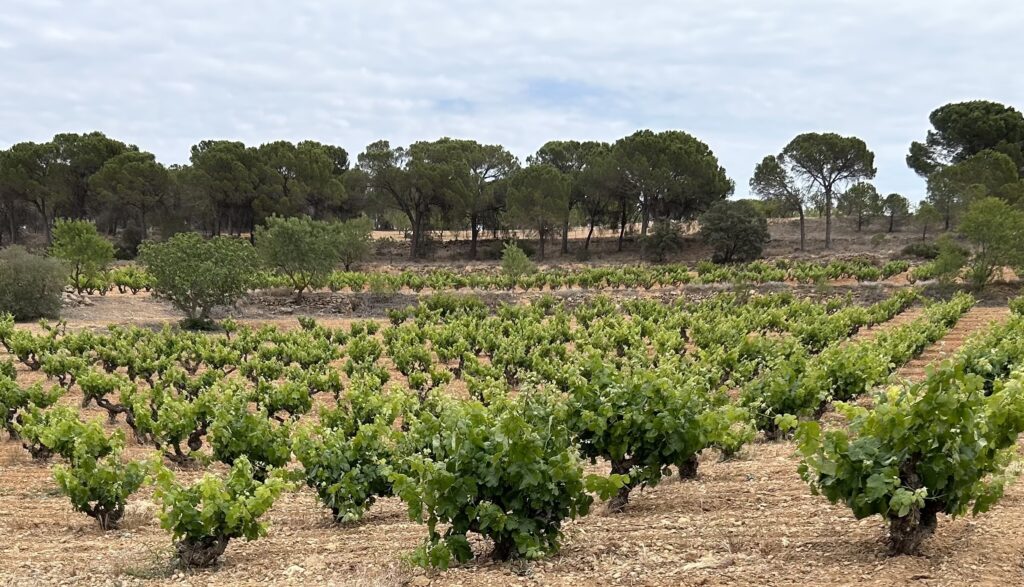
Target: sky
{"type": "Point", "coordinates": [743, 76]}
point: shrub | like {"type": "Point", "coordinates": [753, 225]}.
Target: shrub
{"type": "Point", "coordinates": [353, 240]}
{"type": "Point", "coordinates": [197, 275]}
{"type": "Point", "coordinates": [128, 242]}
{"type": "Point", "coordinates": [735, 230]}
{"type": "Point", "coordinates": [203, 517]}
{"type": "Point", "coordinates": [14, 398]}
{"type": "Point", "coordinates": [100, 487]}
{"type": "Point", "coordinates": [950, 261]}
{"type": "Point", "coordinates": [664, 241]}
{"type": "Point", "coordinates": [921, 250]}
{"type": "Point", "coordinates": [508, 472]}
{"type": "Point", "coordinates": [940, 446]}
{"type": "Point", "coordinates": [300, 249]}
{"type": "Point", "coordinates": [86, 253]}
{"type": "Point", "coordinates": [514, 262]}
{"type": "Point", "coordinates": [30, 285]}
{"type": "Point", "coordinates": [995, 228]}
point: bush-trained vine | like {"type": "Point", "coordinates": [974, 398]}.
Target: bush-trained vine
{"type": "Point", "coordinates": [942, 446]}
{"type": "Point", "coordinates": [508, 472]}
{"type": "Point", "coordinates": [204, 517]}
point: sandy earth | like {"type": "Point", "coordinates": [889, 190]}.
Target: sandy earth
{"type": "Point", "coordinates": [747, 521]}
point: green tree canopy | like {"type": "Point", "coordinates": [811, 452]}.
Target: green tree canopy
{"type": "Point", "coordinates": [670, 174]}
{"type": "Point", "coordinates": [299, 248]}
{"type": "Point", "coordinates": [136, 180]}
{"type": "Point", "coordinates": [82, 248]}
{"type": "Point", "coordinates": [197, 275]}
{"type": "Point", "coordinates": [773, 183]}
{"type": "Point", "coordinates": [895, 207]}
{"type": "Point", "coordinates": [825, 162]}
{"type": "Point", "coordinates": [996, 229]}
{"type": "Point", "coordinates": [964, 129]}
{"type": "Point", "coordinates": [735, 229]}
{"type": "Point", "coordinates": [861, 202]}
{"type": "Point", "coordinates": [538, 199]}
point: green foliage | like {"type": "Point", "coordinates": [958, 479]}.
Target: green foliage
{"type": "Point", "coordinates": [14, 398]}
{"type": "Point", "coordinates": [921, 250]}
{"type": "Point", "coordinates": [664, 241]}
{"type": "Point", "coordinates": [236, 433]}
{"type": "Point", "coordinates": [514, 262]}
{"type": "Point", "coordinates": [950, 261]}
{"type": "Point", "coordinates": [996, 230]}
{"type": "Point", "coordinates": [861, 202]}
{"type": "Point", "coordinates": [85, 252]}
{"type": "Point", "coordinates": [302, 250]}
{"type": "Point", "coordinates": [203, 517]}
{"type": "Point", "coordinates": [353, 240]}
{"type": "Point", "coordinates": [30, 285]}
{"type": "Point", "coordinates": [896, 207]}
{"type": "Point", "coordinates": [197, 275]}
{"type": "Point", "coordinates": [100, 487]}
{"type": "Point", "coordinates": [348, 469]}
{"type": "Point", "coordinates": [736, 231]}
{"type": "Point", "coordinates": [642, 418]}
{"type": "Point", "coordinates": [538, 199]}
{"type": "Point", "coordinates": [942, 445]}
{"type": "Point", "coordinates": [964, 129]}
{"type": "Point", "coordinates": [508, 472]}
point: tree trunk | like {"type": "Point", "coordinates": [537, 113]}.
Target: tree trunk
{"type": "Point", "coordinates": [892, 222]}
{"type": "Point", "coordinates": [828, 218]}
{"type": "Point", "coordinates": [803, 232]}
{"type": "Point", "coordinates": [622, 228]}
{"type": "Point", "coordinates": [541, 232]}
{"type": "Point", "coordinates": [474, 233]}
{"type": "Point", "coordinates": [590, 233]}
{"type": "Point", "coordinates": [565, 237]}
{"type": "Point", "coordinates": [688, 469]}
{"type": "Point", "coordinates": [504, 548]}
{"type": "Point", "coordinates": [201, 552]}
{"type": "Point", "coordinates": [618, 503]}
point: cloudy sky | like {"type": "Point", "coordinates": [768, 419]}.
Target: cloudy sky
{"type": "Point", "coordinates": [744, 76]}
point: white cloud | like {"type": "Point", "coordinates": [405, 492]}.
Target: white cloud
{"type": "Point", "coordinates": [743, 76]}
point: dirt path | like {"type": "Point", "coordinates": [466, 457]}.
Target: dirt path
{"type": "Point", "coordinates": [975, 320]}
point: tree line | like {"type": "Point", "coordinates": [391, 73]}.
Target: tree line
{"type": "Point", "coordinates": [646, 178]}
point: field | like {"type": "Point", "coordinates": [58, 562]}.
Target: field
{"type": "Point", "coordinates": [745, 518]}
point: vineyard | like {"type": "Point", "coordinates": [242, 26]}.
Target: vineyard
{"type": "Point", "coordinates": [133, 279]}
{"type": "Point", "coordinates": [736, 438]}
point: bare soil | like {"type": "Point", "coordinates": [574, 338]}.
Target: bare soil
{"type": "Point", "coordinates": [750, 520]}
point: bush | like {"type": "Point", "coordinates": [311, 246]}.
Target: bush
{"type": "Point", "coordinates": [735, 230]}
{"type": "Point", "coordinates": [995, 228]}
{"type": "Point", "coordinates": [664, 241]}
{"type": "Point", "coordinates": [514, 262]}
{"type": "Point", "coordinates": [950, 261]}
{"type": "Point", "coordinates": [300, 249]}
{"type": "Point", "coordinates": [197, 275]}
{"type": "Point", "coordinates": [128, 242]}
{"type": "Point", "coordinates": [927, 251]}
{"type": "Point", "coordinates": [354, 240]}
{"type": "Point", "coordinates": [940, 446]}
{"type": "Point", "coordinates": [202, 518]}
{"type": "Point", "coordinates": [30, 285]}
{"type": "Point", "coordinates": [86, 253]}
{"type": "Point", "coordinates": [508, 472]}
{"type": "Point", "coordinates": [100, 487]}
